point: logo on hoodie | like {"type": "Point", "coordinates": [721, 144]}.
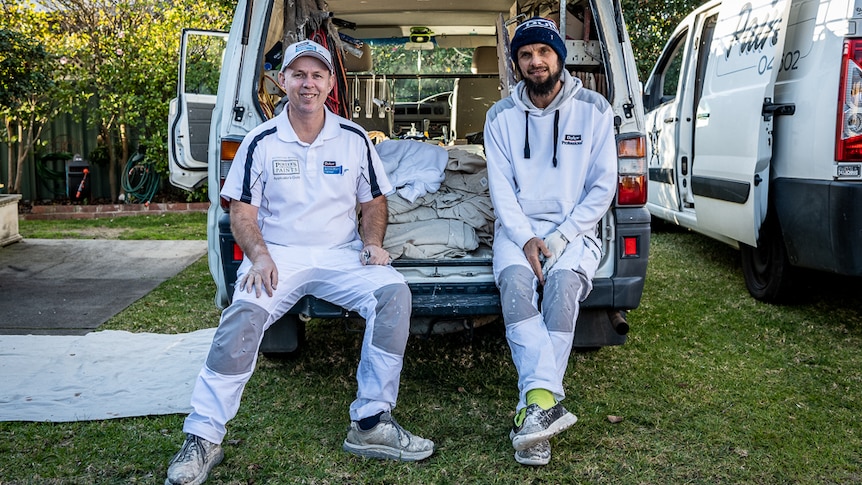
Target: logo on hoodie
{"type": "Point", "coordinates": [572, 140]}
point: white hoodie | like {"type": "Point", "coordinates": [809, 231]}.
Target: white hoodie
{"type": "Point", "coordinates": [552, 168]}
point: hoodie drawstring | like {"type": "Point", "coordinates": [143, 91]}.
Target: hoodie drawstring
{"type": "Point", "coordinates": [556, 135]}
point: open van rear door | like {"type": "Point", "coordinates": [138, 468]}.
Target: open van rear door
{"type": "Point", "coordinates": [733, 128]}
{"type": "Point", "coordinates": [201, 55]}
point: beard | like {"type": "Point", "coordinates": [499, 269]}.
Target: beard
{"type": "Point", "coordinates": [543, 88]}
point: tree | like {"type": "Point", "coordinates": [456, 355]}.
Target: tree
{"type": "Point", "coordinates": [650, 25]}
{"type": "Point", "coordinates": [122, 56]}
{"type": "Point", "coordinates": [27, 85]}
{"type": "Point", "coordinates": [97, 53]}
{"type": "Point", "coordinates": [158, 70]}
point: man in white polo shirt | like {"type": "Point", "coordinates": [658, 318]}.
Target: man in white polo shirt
{"type": "Point", "coordinates": [293, 189]}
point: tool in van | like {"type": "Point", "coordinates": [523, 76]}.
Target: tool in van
{"type": "Point", "coordinates": [357, 107]}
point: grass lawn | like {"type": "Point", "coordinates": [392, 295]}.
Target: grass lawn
{"type": "Point", "coordinates": [712, 387]}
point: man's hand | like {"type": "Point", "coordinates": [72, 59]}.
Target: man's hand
{"type": "Point", "coordinates": [372, 254]}
{"type": "Point", "coordinates": [263, 275]}
{"type": "Point", "coordinates": [535, 250]}
{"type": "Point", "coordinates": [556, 244]}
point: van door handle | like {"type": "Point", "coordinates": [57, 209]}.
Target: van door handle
{"type": "Point", "coordinates": [771, 109]}
{"type": "Point", "coordinates": [671, 120]}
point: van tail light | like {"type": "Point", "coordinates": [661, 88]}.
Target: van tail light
{"type": "Point", "coordinates": [229, 147]}
{"type": "Point", "coordinates": [848, 137]}
{"type": "Point", "coordinates": [631, 159]}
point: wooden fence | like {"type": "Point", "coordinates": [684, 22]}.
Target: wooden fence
{"type": "Point", "coordinates": [45, 172]}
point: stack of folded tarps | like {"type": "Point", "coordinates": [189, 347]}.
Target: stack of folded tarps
{"type": "Point", "coordinates": [441, 207]}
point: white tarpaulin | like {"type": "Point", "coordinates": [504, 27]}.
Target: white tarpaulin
{"type": "Point", "coordinates": [100, 375]}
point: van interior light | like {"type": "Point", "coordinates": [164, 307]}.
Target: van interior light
{"type": "Point", "coordinates": [420, 35]}
{"type": "Point", "coordinates": [420, 39]}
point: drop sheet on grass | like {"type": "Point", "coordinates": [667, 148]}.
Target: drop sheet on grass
{"type": "Point", "coordinates": [100, 375]}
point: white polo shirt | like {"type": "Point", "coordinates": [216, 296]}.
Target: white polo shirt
{"type": "Point", "coordinates": [307, 194]}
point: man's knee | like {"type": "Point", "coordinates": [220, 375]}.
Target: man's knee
{"type": "Point", "coordinates": [562, 300]}
{"type": "Point", "coordinates": [392, 320]}
{"type": "Point", "coordinates": [516, 294]}
{"type": "Point", "coordinates": [237, 339]}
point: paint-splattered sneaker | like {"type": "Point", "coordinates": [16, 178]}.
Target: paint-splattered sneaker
{"type": "Point", "coordinates": [387, 440]}
{"type": "Point", "coordinates": [536, 455]}
{"type": "Point", "coordinates": [540, 425]}
{"type": "Point", "coordinates": [192, 464]}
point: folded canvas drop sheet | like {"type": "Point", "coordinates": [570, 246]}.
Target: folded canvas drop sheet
{"type": "Point", "coordinates": [100, 375]}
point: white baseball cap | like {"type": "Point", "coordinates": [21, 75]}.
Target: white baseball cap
{"type": "Point", "coordinates": [307, 48]}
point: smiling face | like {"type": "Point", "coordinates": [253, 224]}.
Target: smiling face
{"type": "Point", "coordinates": [307, 82]}
{"type": "Point", "coordinates": [540, 68]}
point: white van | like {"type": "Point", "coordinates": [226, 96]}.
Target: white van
{"type": "Point", "coordinates": [754, 121]}
{"type": "Point", "coordinates": [385, 53]}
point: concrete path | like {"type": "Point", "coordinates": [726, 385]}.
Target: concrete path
{"type": "Point", "coordinates": [71, 286]}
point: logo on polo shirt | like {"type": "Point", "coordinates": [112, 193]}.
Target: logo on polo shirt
{"type": "Point", "coordinates": [285, 167]}
{"type": "Point", "coordinates": [332, 168]}
{"type": "Point", "coordinates": [572, 140]}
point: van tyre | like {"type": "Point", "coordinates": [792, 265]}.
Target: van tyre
{"type": "Point", "coordinates": [767, 271]}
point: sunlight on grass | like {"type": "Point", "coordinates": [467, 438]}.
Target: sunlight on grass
{"type": "Point", "coordinates": [168, 226]}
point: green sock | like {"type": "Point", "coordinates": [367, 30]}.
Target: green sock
{"type": "Point", "coordinates": [543, 397]}
{"type": "Point", "coordinates": [519, 418]}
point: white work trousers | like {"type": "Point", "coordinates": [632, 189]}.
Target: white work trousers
{"type": "Point", "coordinates": [335, 275]}
{"type": "Point", "coordinates": [541, 342]}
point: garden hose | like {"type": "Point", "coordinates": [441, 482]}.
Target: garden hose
{"type": "Point", "coordinates": [140, 180]}
{"type": "Point", "coordinates": [54, 181]}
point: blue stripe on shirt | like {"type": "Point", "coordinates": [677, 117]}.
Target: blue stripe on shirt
{"type": "Point", "coordinates": [372, 176]}
{"type": "Point", "coordinates": [246, 178]}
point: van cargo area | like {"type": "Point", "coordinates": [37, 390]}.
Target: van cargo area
{"type": "Point", "coordinates": [419, 79]}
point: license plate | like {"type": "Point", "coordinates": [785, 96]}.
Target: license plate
{"type": "Point", "coordinates": [849, 170]}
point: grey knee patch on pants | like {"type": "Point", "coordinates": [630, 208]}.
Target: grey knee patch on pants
{"type": "Point", "coordinates": [237, 339]}
{"type": "Point", "coordinates": [561, 300]}
{"type": "Point", "coordinates": [392, 323]}
{"type": "Point", "coordinates": [516, 294]}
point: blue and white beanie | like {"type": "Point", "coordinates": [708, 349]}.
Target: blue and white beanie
{"type": "Point", "coordinates": [537, 30]}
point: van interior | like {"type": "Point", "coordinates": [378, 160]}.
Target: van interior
{"type": "Point", "coordinates": [423, 71]}
{"type": "Point", "coordinates": [426, 72]}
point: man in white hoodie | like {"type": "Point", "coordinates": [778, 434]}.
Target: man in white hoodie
{"type": "Point", "coordinates": [553, 173]}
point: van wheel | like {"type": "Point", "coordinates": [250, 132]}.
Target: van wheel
{"type": "Point", "coordinates": [767, 271]}
{"type": "Point", "coordinates": [284, 338]}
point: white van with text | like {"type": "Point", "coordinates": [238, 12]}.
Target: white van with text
{"type": "Point", "coordinates": [754, 128]}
